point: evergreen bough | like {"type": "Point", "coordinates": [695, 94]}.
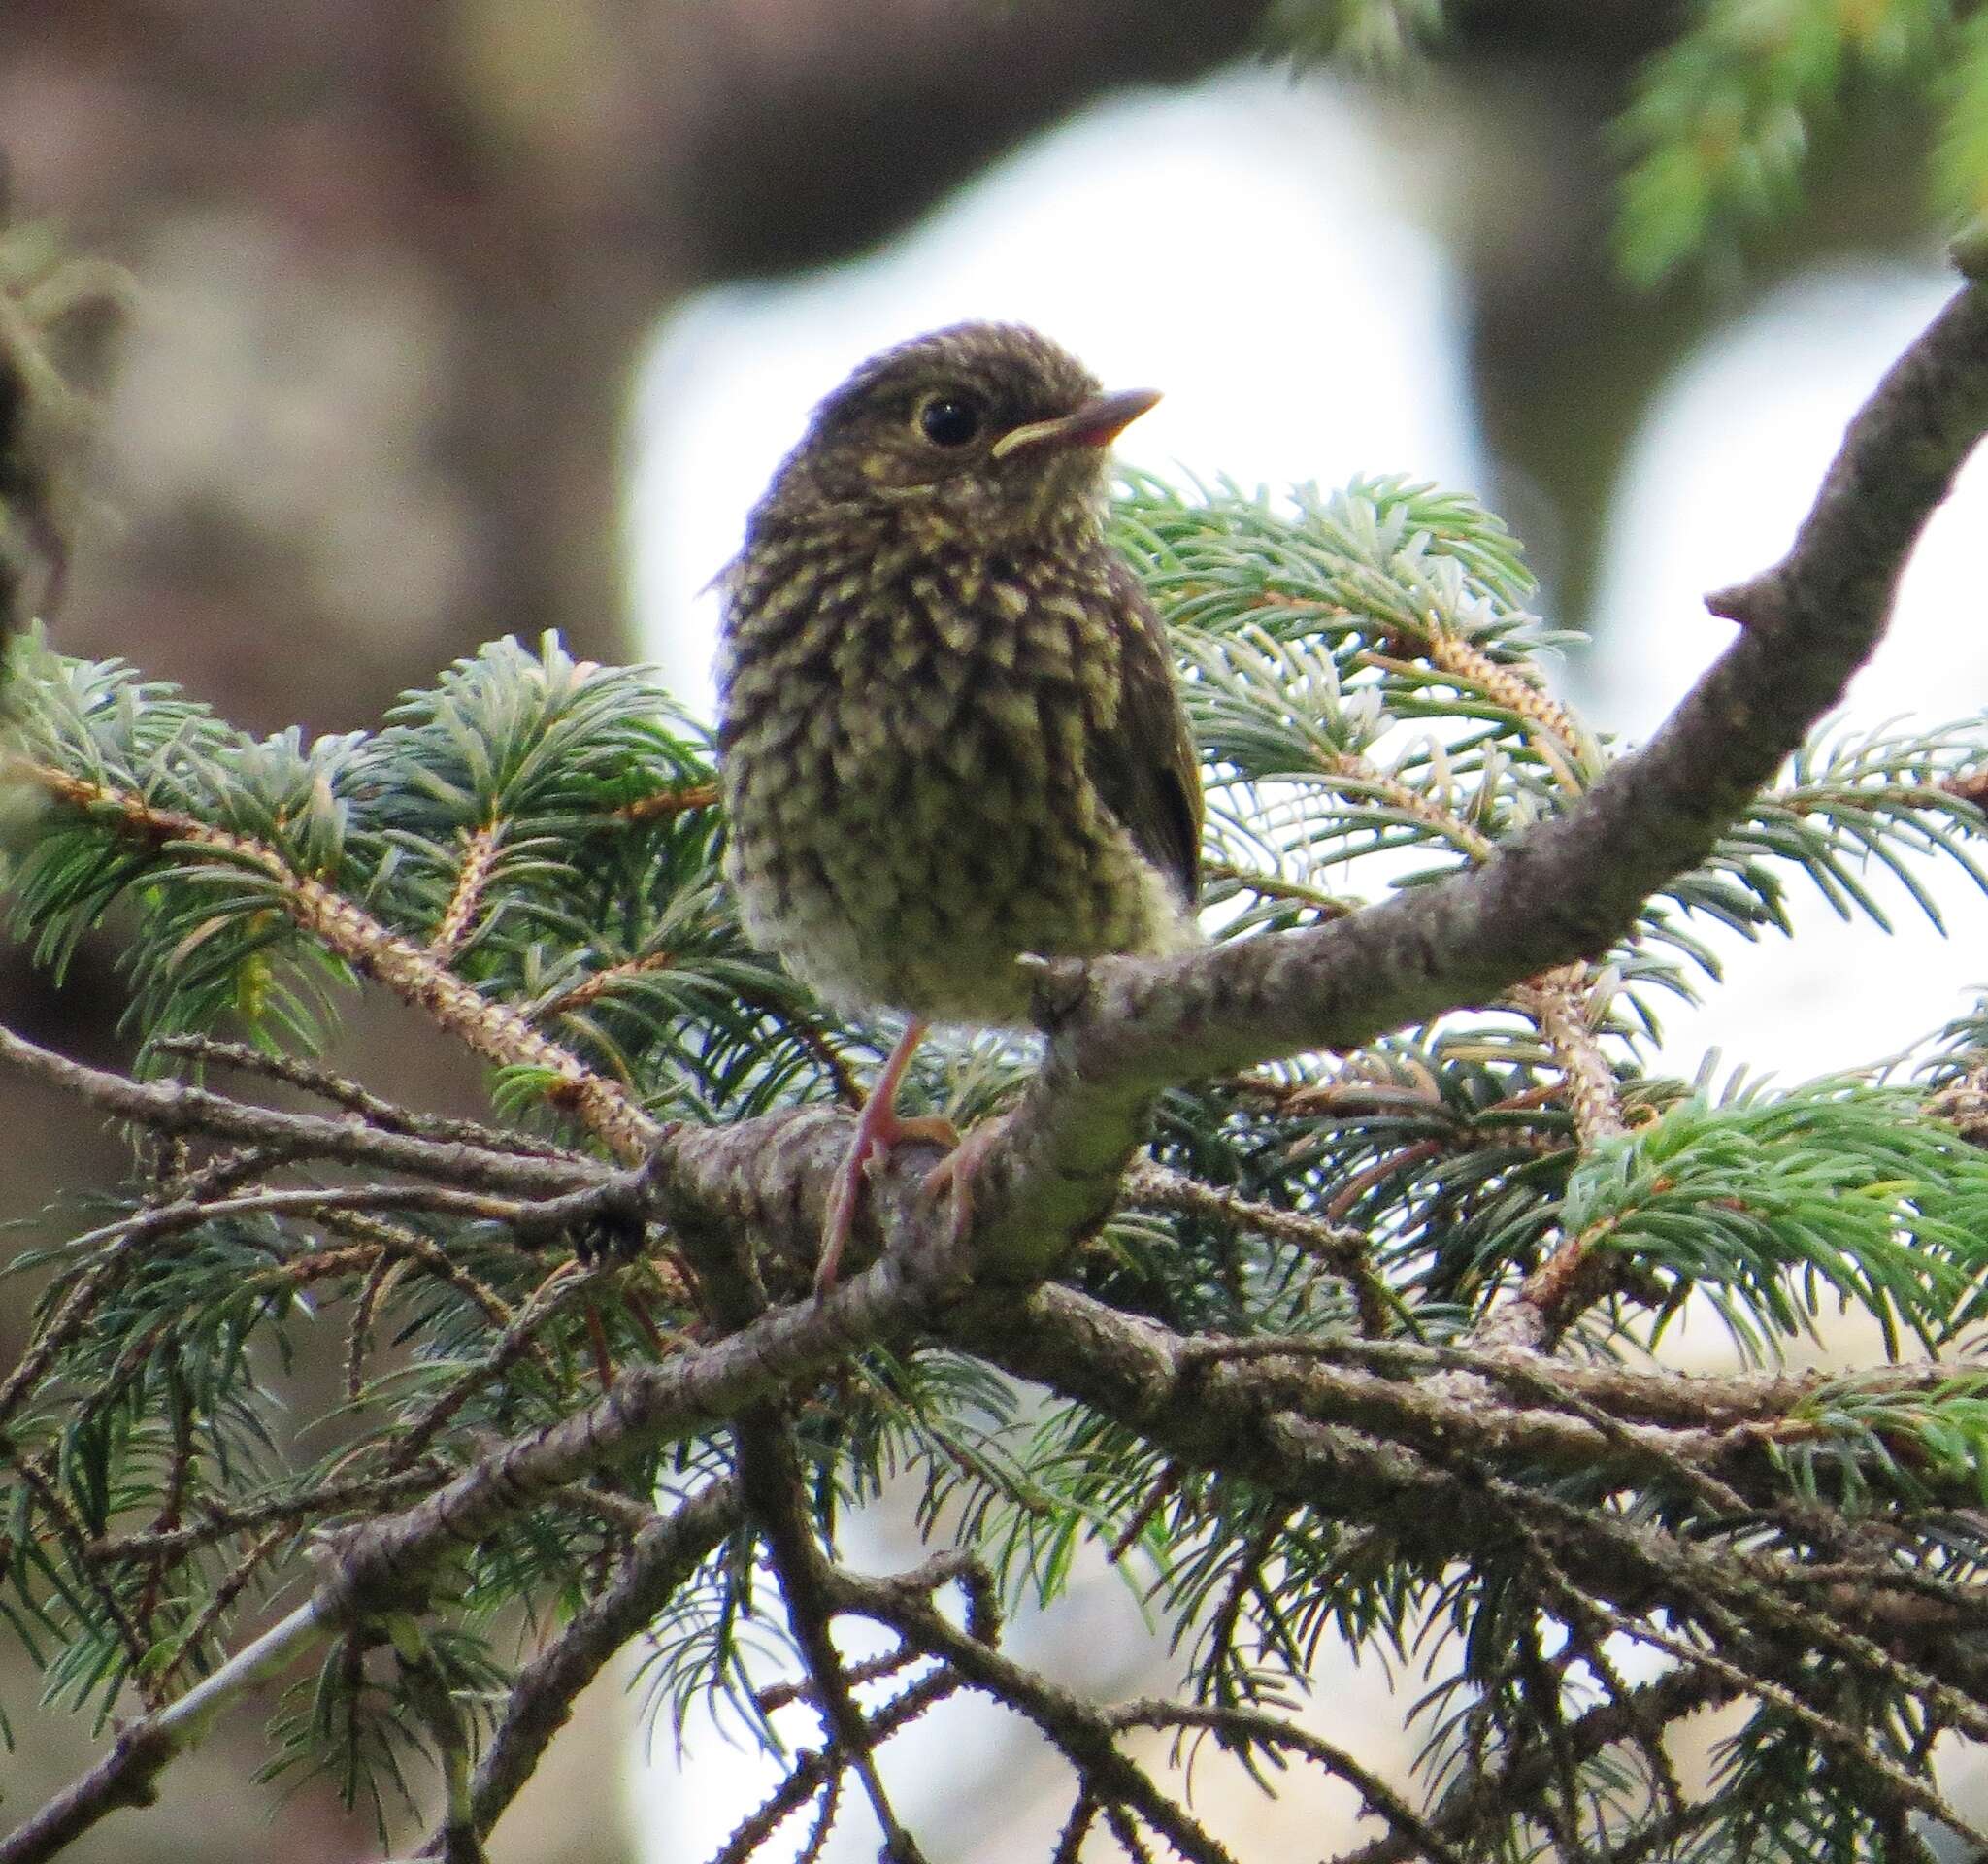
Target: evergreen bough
{"type": "Point", "coordinates": [1314, 1277]}
{"type": "Point", "coordinates": [1731, 113]}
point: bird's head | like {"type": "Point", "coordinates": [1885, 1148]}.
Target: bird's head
{"type": "Point", "coordinates": [986, 431]}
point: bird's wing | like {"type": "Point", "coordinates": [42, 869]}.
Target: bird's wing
{"type": "Point", "coordinates": [1144, 765]}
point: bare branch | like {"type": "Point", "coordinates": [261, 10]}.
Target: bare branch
{"type": "Point", "coordinates": [665, 1553]}
{"type": "Point", "coordinates": [357, 1098]}
{"type": "Point", "coordinates": [172, 1107]}
{"type": "Point", "coordinates": [144, 1748]}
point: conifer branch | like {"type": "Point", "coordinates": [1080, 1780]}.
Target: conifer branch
{"type": "Point", "coordinates": [1278, 886]}
{"type": "Point", "coordinates": [116, 1240]}
{"type": "Point", "coordinates": [600, 984]}
{"type": "Point", "coordinates": [1150, 1187]}
{"type": "Point", "coordinates": [1556, 730]}
{"type": "Point", "coordinates": [392, 1552]}
{"type": "Point", "coordinates": [769, 1491]}
{"type": "Point", "coordinates": [1122, 1029]}
{"type": "Point", "coordinates": [1555, 1002]}
{"type": "Point", "coordinates": [478, 858]}
{"type": "Point", "coordinates": [1363, 778]}
{"type": "Point", "coordinates": [223, 1601]}
{"type": "Point", "coordinates": [1550, 1001]}
{"type": "Point", "coordinates": [1278, 1466]}
{"type": "Point", "coordinates": [41, 1481]}
{"type": "Point", "coordinates": [419, 977]}
{"type": "Point", "coordinates": [1569, 1281]}
{"type": "Point", "coordinates": [770, 1484]}
{"type": "Point", "coordinates": [668, 803]}
{"type": "Point", "coordinates": [382, 1566]}
{"type": "Point", "coordinates": [663, 1554]}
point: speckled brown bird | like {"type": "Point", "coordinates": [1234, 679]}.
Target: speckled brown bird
{"type": "Point", "coordinates": [950, 732]}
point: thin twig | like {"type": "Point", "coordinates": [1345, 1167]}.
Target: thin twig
{"type": "Point", "coordinates": [219, 1521]}
{"type": "Point", "coordinates": [599, 983]}
{"type": "Point", "coordinates": [1555, 732]}
{"type": "Point", "coordinates": [170, 1107]}
{"type": "Point", "coordinates": [223, 1600]}
{"type": "Point", "coordinates": [1252, 1725]}
{"type": "Point", "coordinates": [473, 875]}
{"type": "Point", "coordinates": [1339, 1247]}
{"type": "Point", "coordinates": [1508, 1791]}
{"type": "Point", "coordinates": [390, 1116]}
{"type": "Point", "coordinates": [667, 803]}
{"type": "Point", "coordinates": [1081, 1732]}
{"type": "Point", "coordinates": [818, 1770]}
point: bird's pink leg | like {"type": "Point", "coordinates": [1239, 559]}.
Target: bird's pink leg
{"type": "Point", "coordinates": [955, 1172]}
{"type": "Point", "coordinates": [877, 1130]}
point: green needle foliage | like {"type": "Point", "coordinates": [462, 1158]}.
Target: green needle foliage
{"type": "Point", "coordinates": [530, 852]}
{"type": "Point", "coordinates": [1724, 121]}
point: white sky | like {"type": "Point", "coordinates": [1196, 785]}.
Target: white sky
{"type": "Point", "coordinates": [1335, 347]}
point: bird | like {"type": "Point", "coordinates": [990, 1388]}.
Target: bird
{"type": "Point", "coordinates": [950, 735]}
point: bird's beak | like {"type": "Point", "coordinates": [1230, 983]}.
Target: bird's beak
{"type": "Point", "coordinates": [1098, 422]}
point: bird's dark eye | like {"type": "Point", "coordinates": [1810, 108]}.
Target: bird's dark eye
{"type": "Point", "coordinates": [949, 420]}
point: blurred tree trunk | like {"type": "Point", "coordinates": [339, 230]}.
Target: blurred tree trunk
{"type": "Point", "coordinates": [396, 264]}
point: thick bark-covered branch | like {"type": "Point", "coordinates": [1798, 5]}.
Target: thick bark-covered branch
{"type": "Point", "coordinates": [1121, 1029]}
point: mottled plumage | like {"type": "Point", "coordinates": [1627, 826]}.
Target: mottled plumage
{"type": "Point", "coordinates": [950, 732]}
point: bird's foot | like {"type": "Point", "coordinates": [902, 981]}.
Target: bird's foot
{"type": "Point", "coordinates": [956, 1172]}
{"type": "Point", "coordinates": [879, 1131]}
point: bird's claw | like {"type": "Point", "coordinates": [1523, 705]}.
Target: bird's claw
{"type": "Point", "coordinates": [927, 1129]}
{"type": "Point", "coordinates": [956, 1171]}
{"type": "Point", "coordinates": [868, 1154]}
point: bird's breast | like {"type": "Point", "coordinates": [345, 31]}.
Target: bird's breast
{"type": "Point", "coordinates": [910, 800]}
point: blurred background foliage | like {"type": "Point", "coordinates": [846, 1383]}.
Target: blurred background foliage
{"type": "Point", "coordinates": [392, 270]}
